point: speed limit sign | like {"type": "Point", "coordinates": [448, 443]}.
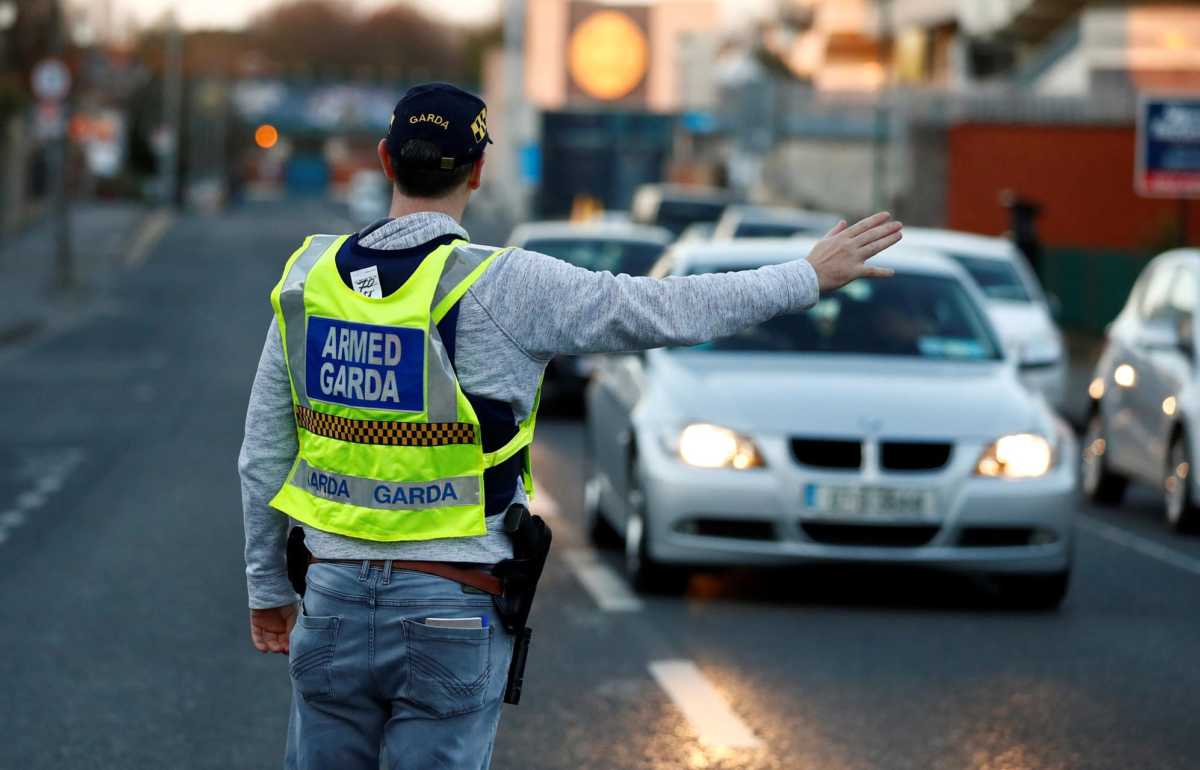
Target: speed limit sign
{"type": "Point", "coordinates": [51, 80]}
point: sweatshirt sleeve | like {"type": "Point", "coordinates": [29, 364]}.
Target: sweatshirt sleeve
{"type": "Point", "coordinates": [268, 450]}
{"type": "Point", "coordinates": [576, 311]}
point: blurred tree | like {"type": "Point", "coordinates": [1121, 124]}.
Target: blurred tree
{"type": "Point", "coordinates": [326, 38]}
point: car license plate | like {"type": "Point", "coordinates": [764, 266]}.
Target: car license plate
{"type": "Point", "coordinates": [844, 502]}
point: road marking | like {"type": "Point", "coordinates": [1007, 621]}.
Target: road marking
{"type": "Point", "coordinates": [30, 500]}
{"type": "Point", "coordinates": [705, 709]}
{"type": "Point", "coordinates": [608, 590]}
{"type": "Point", "coordinates": [153, 228]}
{"type": "Point", "coordinates": [1142, 545]}
{"type": "Point", "coordinates": [11, 519]}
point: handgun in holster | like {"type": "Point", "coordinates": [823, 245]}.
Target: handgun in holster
{"type": "Point", "coordinates": [519, 577]}
{"type": "Point", "coordinates": [297, 559]}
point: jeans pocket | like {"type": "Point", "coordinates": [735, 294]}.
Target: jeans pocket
{"type": "Point", "coordinates": [310, 657]}
{"type": "Point", "coordinates": [449, 668]}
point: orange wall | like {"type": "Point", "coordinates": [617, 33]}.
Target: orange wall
{"type": "Point", "coordinates": [1082, 176]}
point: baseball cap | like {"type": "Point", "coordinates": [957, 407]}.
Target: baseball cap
{"type": "Point", "coordinates": [449, 117]}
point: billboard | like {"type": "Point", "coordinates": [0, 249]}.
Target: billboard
{"type": "Point", "coordinates": [1168, 146]}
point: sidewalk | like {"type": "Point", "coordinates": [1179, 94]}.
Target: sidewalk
{"type": "Point", "coordinates": [101, 234]}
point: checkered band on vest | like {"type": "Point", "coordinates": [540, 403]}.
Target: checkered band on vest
{"type": "Point", "coordinates": [385, 431]}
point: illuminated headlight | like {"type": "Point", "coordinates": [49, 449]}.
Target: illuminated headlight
{"type": "Point", "coordinates": [710, 446]}
{"type": "Point", "coordinates": [1019, 456]}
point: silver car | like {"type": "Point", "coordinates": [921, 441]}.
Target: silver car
{"type": "Point", "coordinates": [1145, 418]}
{"type": "Point", "coordinates": [1020, 310]}
{"type": "Point", "coordinates": [887, 424]}
{"type": "Point", "coordinates": [746, 221]}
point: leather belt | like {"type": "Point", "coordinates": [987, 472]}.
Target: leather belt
{"type": "Point", "coordinates": [475, 578]}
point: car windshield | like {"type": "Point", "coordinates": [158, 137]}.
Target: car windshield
{"type": "Point", "coordinates": [612, 254]}
{"type": "Point", "coordinates": [997, 278]}
{"type": "Point", "coordinates": [919, 316]}
{"type": "Point", "coordinates": [766, 230]}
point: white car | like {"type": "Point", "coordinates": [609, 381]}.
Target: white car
{"type": "Point", "coordinates": [1018, 306]}
{"type": "Point", "coordinates": [886, 424]}
{"type": "Point", "coordinates": [618, 246]}
{"type": "Point", "coordinates": [745, 221]}
{"type": "Point", "coordinates": [1145, 418]}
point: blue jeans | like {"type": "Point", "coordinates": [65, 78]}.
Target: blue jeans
{"type": "Point", "coordinates": [368, 673]}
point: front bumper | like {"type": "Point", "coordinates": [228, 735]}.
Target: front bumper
{"type": "Point", "coordinates": [707, 518]}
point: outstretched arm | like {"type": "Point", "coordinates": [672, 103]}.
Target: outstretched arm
{"type": "Point", "coordinates": [549, 307]}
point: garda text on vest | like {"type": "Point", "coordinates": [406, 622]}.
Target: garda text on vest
{"type": "Point", "coordinates": [364, 365]}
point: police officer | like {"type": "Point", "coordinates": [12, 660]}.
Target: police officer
{"type": "Point", "coordinates": [391, 417]}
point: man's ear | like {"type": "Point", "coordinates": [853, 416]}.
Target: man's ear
{"type": "Point", "coordinates": [385, 159]}
{"type": "Point", "coordinates": [476, 177]}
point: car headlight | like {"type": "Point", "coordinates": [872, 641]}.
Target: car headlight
{"type": "Point", "coordinates": [710, 446]}
{"type": "Point", "coordinates": [1018, 456]}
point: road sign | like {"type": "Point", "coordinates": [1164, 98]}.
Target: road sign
{"type": "Point", "coordinates": [51, 80]}
{"type": "Point", "coordinates": [1168, 146]}
{"type": "Point", "coordinates": [50, 122]}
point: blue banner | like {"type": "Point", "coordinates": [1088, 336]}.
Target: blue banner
{"type": "Point", "coordinates": [1168, 146]}
{"type": "Point", "coordinates": [363, 365]}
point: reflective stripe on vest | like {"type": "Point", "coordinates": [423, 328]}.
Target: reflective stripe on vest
{"type": "Point", "coordinates": [291, 303]}
{"type": "Point", "coordinates": [385, 495]}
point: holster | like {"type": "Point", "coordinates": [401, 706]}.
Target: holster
{"type": "Point", "coordinates": [297, 559]}
{"type": "Point", "coordinates": [519, 577]}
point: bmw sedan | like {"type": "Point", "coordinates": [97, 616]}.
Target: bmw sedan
{"type": "Point", "coordinates": [885, 425]}
{"type": "Point", "coordinates": [1144, 422]}
{"type": "Point", "coordinates": [615, 246]}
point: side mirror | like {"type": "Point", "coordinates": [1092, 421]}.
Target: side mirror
{"type": "Point", "coordinates": [1158, 335]}
{"type": "Point", "coordinates": [1055, 305]}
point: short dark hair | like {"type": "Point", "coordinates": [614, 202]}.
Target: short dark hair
{"type": "Point", "coordinates": [415, 165]}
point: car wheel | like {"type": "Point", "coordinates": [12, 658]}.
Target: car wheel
{"type": "Point", "coordinates": [600, 533]}
{"type": "Point", "coordinates": [1100, 484]}
{"type": "Point", "coordinates": [1034, 592]}
{"type": "Point", "coordinates": [644, 573]}
{"type": "Point", "coordinates": [1181, 510]}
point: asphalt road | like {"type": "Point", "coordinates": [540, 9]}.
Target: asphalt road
{"type": "Point", "coordinates": [123, 640]}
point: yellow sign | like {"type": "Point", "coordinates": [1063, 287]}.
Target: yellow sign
{"type": "Point", "coordinates": [607, 55]}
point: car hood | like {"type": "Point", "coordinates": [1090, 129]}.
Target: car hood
{"type": "Point", "coordinates": [1019, 323]}
{"type": "Point", "coordinates": [842, 395]}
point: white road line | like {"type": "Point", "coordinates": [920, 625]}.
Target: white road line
{"type": "Point", "coordinates": [706, 710]}
{"type": "Point", "coordinates": [1142, 545]}
{"type": "Point", "coordinates": [152, 229]}
{"type": "Point", "coordinates": [10, 519]}
{"type": "Point", "coordinates": [608, 590]}
{"type": "Point", "coordinates": [48, 485]}
{"type": "Point", "coordinates": [30, 500]}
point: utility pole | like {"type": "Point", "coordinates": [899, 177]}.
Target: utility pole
{"type": "Point", "coordinates": [54, 74]}
{"type": "Point", "coordinates": [172, 111]}
{"type": "Point", "coordinates": [880, 137]}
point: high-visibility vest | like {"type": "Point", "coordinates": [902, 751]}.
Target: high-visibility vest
{"type": "Point", "coordinates": [389, 446]}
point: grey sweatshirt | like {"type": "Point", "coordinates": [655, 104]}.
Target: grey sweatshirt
{"type": "Point", "coordinates": [525, 309]}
